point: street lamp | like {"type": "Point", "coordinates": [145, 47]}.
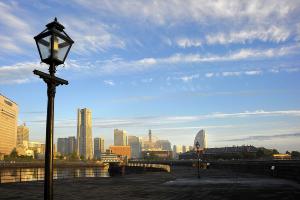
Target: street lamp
{"type": "Point", "coordinates": [198, 153]}
{"type": "Point", "coordinates": [53, 45]}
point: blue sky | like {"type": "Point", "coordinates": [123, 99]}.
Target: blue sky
{"type": "Point", "coordinates": [230, 67]}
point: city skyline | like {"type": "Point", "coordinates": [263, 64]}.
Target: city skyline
{"type": "Point", "coordinates": [169, 70]}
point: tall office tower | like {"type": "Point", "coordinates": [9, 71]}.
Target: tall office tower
{"type": "Point", "coordinates": [71, 144]}
{"type": "Point", "coordinates": [163, 145]}
{"type": "Point", "coordinates": [177, 149]}
{"type": "Point", "coordinates": [201, 138]}
{"type": "Point", "coordinates": [135, 145]}
{"type": "Point", "coordinates": [62, 146]}
{"type": "Point", "coordinates": [98, 147]}
{"type": "Point", "coordinates": [150, 136]}
{"type": "Point", "coordinates": [183, 148]}
{"type": "Point", "coordinates": [120, 138]}
{"type": "Point", "coordinates": [23, 135]}
{"type": "Point", "coordinates": [8, 125]}
{"type": "Point", "coordinates": [84, 133]}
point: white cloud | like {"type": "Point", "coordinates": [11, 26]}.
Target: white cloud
{"type": "Point", "coordinates": [186, 42]}
{"type": "Point", "coordinates": [189, 78]}
{"type": "Point", "coordinates": [273, 34]}
{"type": "Point", "coordinates": [92, 36]}
{"type": "Point", "coordinates": [200, 11]}
{"type": "Point", "coordinates": [15, 30]}
{"type": "Point", "coordinates": [253, 72]}
{"type": "Point", "coordinates": [231, 73]}
{"type": "Point", "coordinates": [147, 80]}
{"type": "Point", "coordinates": [164, 121]}
{"type": "Point", "coordinates": [209, 75]}
{"type": "Point", "coordinates": [109, 82]}
{"type": "Point", "coordinates": [274, 70]}
{"type": "Point", "coordinates": [19, 73]}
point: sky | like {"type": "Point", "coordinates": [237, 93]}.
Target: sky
{"type": "Point", "coordinates": [175, 67]}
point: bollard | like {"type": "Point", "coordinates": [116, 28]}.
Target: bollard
{"type": "Point", "coordinates": [273, 170]}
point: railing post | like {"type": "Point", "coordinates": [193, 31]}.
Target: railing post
{"type": "Point", "coordinates": [20, 172]}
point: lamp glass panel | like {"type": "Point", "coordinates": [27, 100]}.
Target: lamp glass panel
{"type": "Point", "coordinates": [45, 47]}
{"type": "Point", "coordinates": [60, 48]}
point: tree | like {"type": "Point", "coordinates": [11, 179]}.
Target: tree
{"type": "Point", "coordinates": [275, 151]}
{"type": "Point", "coordinates": [73, 156]}
{"type": "Point", "coordinates": [287, 152]}
{"type": "Point", "coordinates": [14, 153]}
{"type": "Point", "coordinates": [295, 154]}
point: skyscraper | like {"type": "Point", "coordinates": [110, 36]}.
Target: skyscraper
{"type": "Point", "coordinates": [8, 125]}
{"type": "Point", "coordinates": [62, 146]}
{"type": "Point", "coordinates": [98, 147]}
{"type": "Point", "coordinates": [177, 149]}
{"type": "Point", "coordinates": [84, 133]}
{"type": "Point", "coordinates": [120, 138]}
{"type": "Point", "coordinates": [202, 139]}
{"type": "Point", "coordinates": [23, 135]}
{"type": "Point", "coordinates": [66, 146]}
{"type": "Point", "coordinates": [72, 146]}
{"type": "Point", "coordinates": [135, 145]}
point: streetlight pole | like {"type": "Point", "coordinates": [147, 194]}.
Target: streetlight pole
{"type": "Point", "coordinates": [198, 164]}
{"type": "Point", "coordinates": [53, 45]}
{"type": "Point", "coordinates": [198, 157]}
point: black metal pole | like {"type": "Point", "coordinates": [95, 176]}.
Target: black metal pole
{"type": "Point", "coordinates": [198, 165]}
{"type": "Point", "coordinates": [48, 180]}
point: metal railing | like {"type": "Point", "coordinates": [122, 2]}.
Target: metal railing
{"type": "Point", "coordinates": [37, 174]}
{"type": "Point", "coordinates": [156, 166]}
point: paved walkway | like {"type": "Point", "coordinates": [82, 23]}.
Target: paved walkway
{"type": "Point", "coordinates": [181, 183]}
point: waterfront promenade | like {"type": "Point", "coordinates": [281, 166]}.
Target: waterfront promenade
{"type": "Point", "coordinates": [181, 183]}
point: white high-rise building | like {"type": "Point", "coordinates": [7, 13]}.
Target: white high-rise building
{"type": "Point", "coordinates": [201, 138]}
{"type": "Point", "coordinates": [84, 133]}
{"type": "Point", "coordinates": [120, 138]}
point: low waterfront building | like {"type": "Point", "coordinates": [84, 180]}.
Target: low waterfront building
{"type": "Point", "coordinates": [222, 152]}
{"type": "Point", "coordinates": [123, 151]}
{"type": "Point", "coordinates": [109, 157]}
{"type": "Point", "coordinates": [282, 156]}
{"type": "Point", "coordinates": [163, 145]}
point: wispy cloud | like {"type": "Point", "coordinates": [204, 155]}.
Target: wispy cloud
{"type": "Point", "coordinates": [188, 78]}
{"type": "Point", "coordinates": [273, 34]}
{"type": "Point", "coordinates": [264, 137]}
{"type": "Point", "coordinates": [163, 121]}
{"type": "Point", "coordinates": [16, 32]}
{"type": "Point", "coordinates": [92, 35]}
{"type": "Point", "coordinates": [19, 73]}
{"type": "Point", "coordinates": [187, 42]}
{"type": "Point", "coordinates": [171, 12]}
{"type": "Point", "coordinates": [109, 82]}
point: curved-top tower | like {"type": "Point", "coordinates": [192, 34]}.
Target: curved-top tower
{"type": "Point", "coordinates": [202, 139]}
